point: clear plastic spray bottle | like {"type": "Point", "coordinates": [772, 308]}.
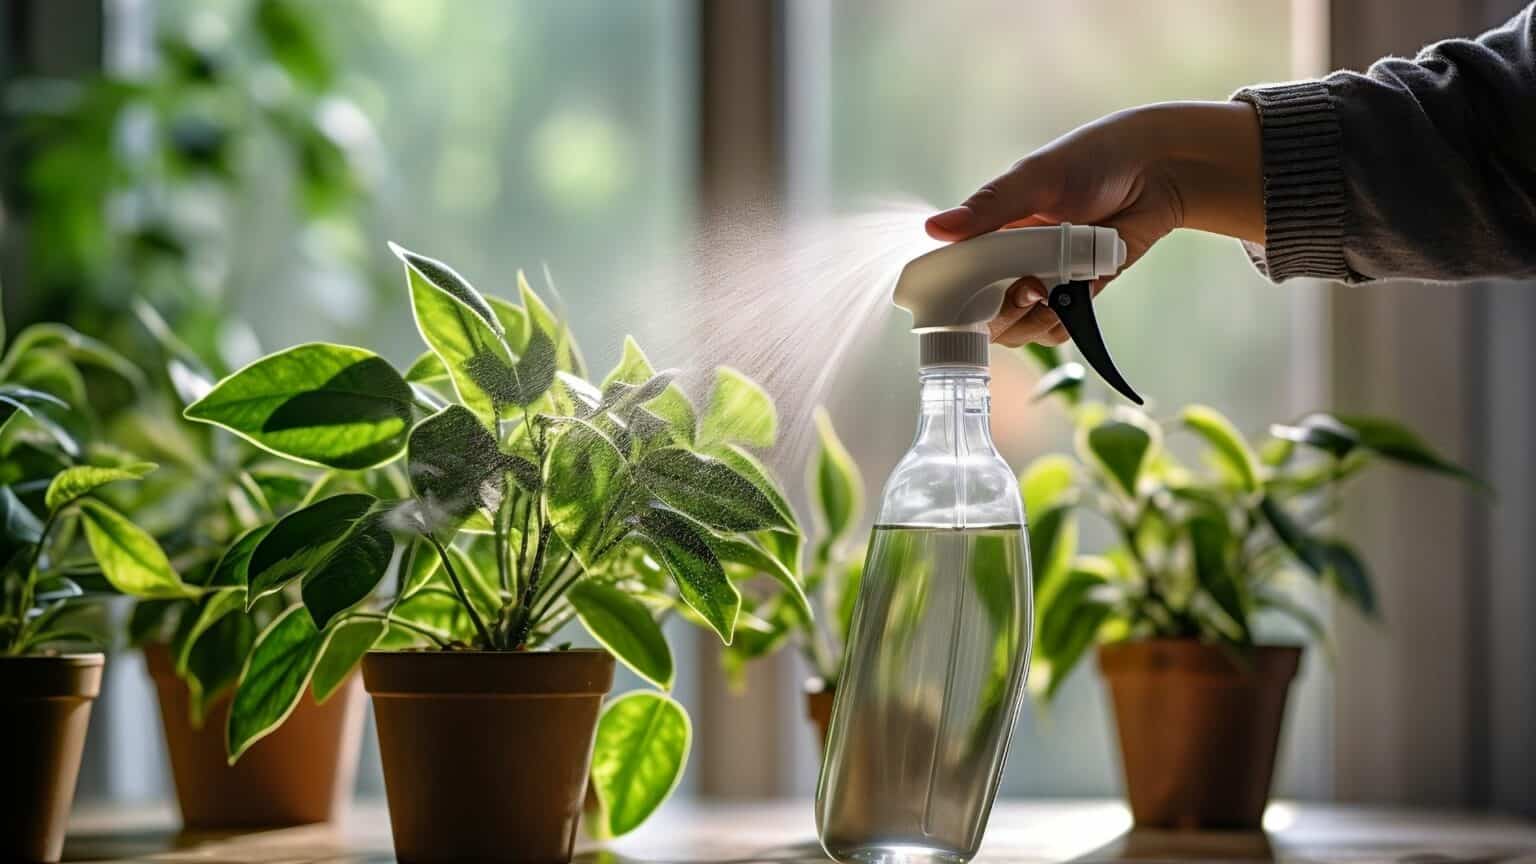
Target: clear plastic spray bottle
{"type": "Point", "coordinates": [939, 645]}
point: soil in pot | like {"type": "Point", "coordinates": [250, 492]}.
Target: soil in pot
{"type": "Point", "coordinates": [301, 773]}
{"type": "Point", "coordinates": [45, 707]}
{"type": "Point", "coordinates": [486, 753]}
{"type": "Point", "coordinates": [1199, 728]}
{"type": "Point", "coordinates": [818, 707]}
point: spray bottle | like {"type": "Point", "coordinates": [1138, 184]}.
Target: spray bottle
{"type": "Point", "coordinates": [939, 646]}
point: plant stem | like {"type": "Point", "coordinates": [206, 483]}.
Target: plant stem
{"type": "Point", "coordinates": [522, 545]}
{"type": "Point", "coordinates": [458, 588]}
{"type": "Point", "coordinates": [547, 599]}
{"type": "Point", "coordinates": [499, 538]}
{"type": "Point", "coordinates": [400, 622]}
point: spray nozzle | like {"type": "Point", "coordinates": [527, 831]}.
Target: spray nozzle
{"type": "Point", "coordinates": [959, 288]}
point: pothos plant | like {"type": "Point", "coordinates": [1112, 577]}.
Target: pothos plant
{"type": "Point", "coordinates": [62, 542]}
{"type": "Point", "coordinates": [213, 488]}
{"type": "Point", "coordinates": [831, 573]}
{"type": "Point", "coordinates": [1198, 553]}
{"type": "Point", "coordinates": [534, 497]}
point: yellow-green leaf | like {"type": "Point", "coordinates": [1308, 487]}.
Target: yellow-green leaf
{"type": "Point", "coordinates": [738, 412]}
{"type": "Point", "coordinates": [1226, 442]}
{"type": "Point", "coordinates": [128, 556]}
{"type": "Point", "coordinates": [638, 758]}
{"type": "Point", "coordinates": [78, 480]}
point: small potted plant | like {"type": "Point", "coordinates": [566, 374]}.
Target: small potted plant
{"type": "Point", "coordinates": [831, 580]}
{"type": "Point", "coordinates": [54, 512]}
{"type": "Point", "coordinates": [535, 498]}
{"type": "Point", "coordinates": [214, 493]}
{"type": "Point", "coordinates": [1202, 560]}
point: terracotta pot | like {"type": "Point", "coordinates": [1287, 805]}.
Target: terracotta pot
{"type": "Point", "coordinates": [301, 773]}
{"type": "Point", "coordinates": [45, 707]}
{"type": "Point", "coordinates": [1199, 728]}
{"type": "Point", "coordinates": [818, 707]}
{"type": "Point", "coordinates": [486, 753]}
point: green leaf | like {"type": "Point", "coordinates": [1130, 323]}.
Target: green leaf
{"type": "Point", "coordinates": [1210, 538]}
{"type": "Point", "coordinates": [638, 758]}
{"type": "Point", "coordinates": [736, 550]}
{"type": "Point", "coordinates": [301, 540]}
{"type": "Point", "coordinates": [317, 403]}
{"type": "Point", "coordinates": [708, 490]}
{"type": "Point", "coordinates": [60, 339]}
{"type": "Point", "coordinates": [214, 606]}
{"type": "Point", "coordinates": [625, 627]}
{"type": "Point", "coordinates": [18, 526]}
{"type": "Point", "coordinates": [738, 412]}
{"type": "Point", "coordinates": [1047, 483]}
{"type": "Point", "coordinates": [1227, 443]}
{"type": "Point", "coordinates": [1046, 357]}
{"type": "Point", "coordinates": [680, 545]}
{"type": "Point", "coordinates": [1302, 545]}
{"type": "Point", "coordinates": [1348, 574]}
{"type": "Point", "coordinates": [232, 567]}
{"type": "Point", "coordinates": [535, 368]}
{"type": "Point", "coordinates": [78, 480]}
{"type": "Point", "coordinates": [349, 641]}
{"type": "Point", "coordinates": [426, 369]}
{"type": "Point", "coordinates": [539, 316]}
{"type": "Point", "coordinates": [1066, 380]}
{"type": "Point", "coordinates": [1322, 431]}
{"type": "Point", "coordinates": [454, 464]}
{"type": "Point", "coordinates": [838, 488]}
{"type": "Point", "coordinates": [289, 37]}
{"type": "Point", "coordinates": [1070, 618]}
{"type": "Point", "coordinates": [1396, 442]}
{"type": "Point", "coordinates": [128, 556]}
{"type": "Point", "coordinates": [1120, 448]}
{"type": "Point", "coordinates": [351, 569]}
{"type": "Point", "coordinates": [214, 662]}
{"type": "Point", "coordinates": [462, 329]}
{"type": "Point", "coordinates": [273, 680]}
{"type": "Point", "coordinates": [513, 320]}
{"type": "Point", "coordinates": [672, 405]}
{"type": "Point", "coordinates": [585, 478]}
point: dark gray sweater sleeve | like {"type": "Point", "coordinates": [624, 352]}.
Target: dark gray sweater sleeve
{"type": "Point", "coordinates": [1422, 168]}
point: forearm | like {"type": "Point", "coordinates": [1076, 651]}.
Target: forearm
{"type": "Point", "coordinates": [1420, 169]}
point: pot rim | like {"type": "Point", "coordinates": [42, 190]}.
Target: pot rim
{"type": "Point", "coordinates": [817, 686]}
{"type": "Point", "coordinates": [28, 677]}
{"type": "Point", "coordinates": [575, 672]}
{"type": "Point", "coordinates": [1191, 659]}
{"type": "Point", "coordinates": [78, 659]}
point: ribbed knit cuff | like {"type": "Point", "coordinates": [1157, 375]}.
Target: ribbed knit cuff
{"type": "Point", "coordinates": [1304, 202]}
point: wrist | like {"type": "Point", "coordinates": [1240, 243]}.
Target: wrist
{"type": "Point", "coordinates": [1211, 153]}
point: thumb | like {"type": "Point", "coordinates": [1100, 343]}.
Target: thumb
{"type": "Point", "coordinates": [1024, 190]}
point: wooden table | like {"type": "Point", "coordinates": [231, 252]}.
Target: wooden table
{"type": "Point", "coordinates": [783, 833]}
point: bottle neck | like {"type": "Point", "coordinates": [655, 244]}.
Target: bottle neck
{"type": "Point", "coordinates": [955, 410]}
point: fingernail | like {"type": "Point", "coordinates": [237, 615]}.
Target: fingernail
{"type": "Point", "coordinates": [1023, 300]}
{"type": "Point", "coordinates": [953, 219]}
{"type": "Point", "coordinates": [1035, 295]}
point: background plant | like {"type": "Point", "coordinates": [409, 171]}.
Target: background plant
{"type": "Point", "coordinates": [534, 497]}
{"type": "Point", "coordinates": [62, 542]}
{"type": "Point", "coordinates": [1198, 553]}
{"type": "Point", "coordinates": [831, 574]}
{"type": "Point", "coordinates": [139, 183]}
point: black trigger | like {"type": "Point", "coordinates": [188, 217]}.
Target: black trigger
{"type": "Point", "coordinates": [1073, 304]}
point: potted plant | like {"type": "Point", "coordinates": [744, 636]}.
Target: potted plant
{"type": "Point", "coordinates": [1178, 605]}
{"type": "Point", "coordinates": [831, 580]}
{"type": "Point", "coordinates": [54, 511]}
{"type": "Point", "coordinates": [213, 494]}
{"type": "Point", "coordinates": [535, 498]}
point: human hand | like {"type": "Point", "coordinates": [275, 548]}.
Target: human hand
{"type": "Point", "coordinates": [1143, 172]}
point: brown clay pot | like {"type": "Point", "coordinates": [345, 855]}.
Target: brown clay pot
{"type": "Point", "coordinates": [486, 753]}
{"type": "Point", "coordinates": [818, 707]}
{"type": "Point", "coordinates": [1199, 728]}
{"type": "Point", "coordinates": [301, 773]}
{"type": "Point", "coordinates": [45, 707]}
